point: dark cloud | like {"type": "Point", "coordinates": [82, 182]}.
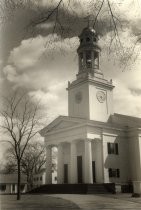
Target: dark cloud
{"type": "Point", "coordinates": [22, 24]}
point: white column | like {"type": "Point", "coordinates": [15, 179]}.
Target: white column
{"type": "Point", "coordinates": [48, 165]}
{"type": "Point", "coordinates": [60, 165]}
{"type": "Point", "coordinates": [73, 163]}
{"type": "Point", "coordinates": [16, 188]}
{"type": "Point", "coordinates": [88, 178]}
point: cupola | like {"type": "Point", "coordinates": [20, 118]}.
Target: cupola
{"type": "Point", "coordinates": [88, 54]}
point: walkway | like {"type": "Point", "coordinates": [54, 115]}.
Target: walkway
{"type": "Point", "coordinates": [108, 202]}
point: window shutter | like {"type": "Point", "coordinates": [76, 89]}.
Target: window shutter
{"type": "Point", "coordinates": [109, 148]}
{"type": "Point", "coordinates": [116, 147]}
{"type": "Point", "coordinates": [118, 173]}
{"type": "Point", "coordinates": [110, 172]}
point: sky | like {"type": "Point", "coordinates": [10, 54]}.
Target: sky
{"type": "Point", "coordinates": [41, 63]}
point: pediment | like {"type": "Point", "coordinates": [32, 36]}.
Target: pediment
{"type": "Point", "coordinates": [60, 123]}
{"type": "Point", "coordinates": [63, 124]}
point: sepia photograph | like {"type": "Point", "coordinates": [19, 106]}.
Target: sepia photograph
{"type": "Point", "coordinates": [70, 104]}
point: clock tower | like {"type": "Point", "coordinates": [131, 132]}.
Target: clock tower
{"type": "Point", "coordinates": [90, 96]}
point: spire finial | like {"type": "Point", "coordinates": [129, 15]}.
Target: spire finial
{"type": "Point", "coordinates": [88, 20]}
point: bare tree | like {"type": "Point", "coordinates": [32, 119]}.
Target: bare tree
{"type": "Point", "coordinates": [32, 162]}
{"type": "Point", "coordinates": [20, 122]}
{"type": "Point", "coordinates": [10, 166]}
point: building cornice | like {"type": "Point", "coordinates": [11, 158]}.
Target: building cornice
{"type": "Point", "coordinates": [97, 81]}
{"type": "Point", "coordinates": [99, 126]}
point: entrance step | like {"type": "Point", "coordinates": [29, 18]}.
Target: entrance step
{"type": "Point", "coordinates": [75, 189]}
{"type": "Point", "coordinates": [101, 188]}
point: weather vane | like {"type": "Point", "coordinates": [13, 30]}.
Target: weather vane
{"type": "Point", "coordinates": [88, 19]}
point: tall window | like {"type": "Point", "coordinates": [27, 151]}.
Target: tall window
{"type": "Point", "coordinates": [114, 172]}
{"type": "Point", "coordinates": [88, 59]}
{"type": "Point", "coordinates": [13, 187]}
{"type": "Point", "coordinates": [81, 59]}
{"type": "Point", "coordinates": [112, 148]}
{"type": "Point", "coordinates": [96, 60]}
{"type": "Point", "coordinates": [2, 187]}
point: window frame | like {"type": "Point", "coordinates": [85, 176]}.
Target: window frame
{"type": "Point", "coordinates": [112, 148]}
{"type": "Point", "coordinates": [13, 187]}
{"type": "Point", "coordinates": [114, 172]}
{"type": "Point", "coordinates": [2, 187]}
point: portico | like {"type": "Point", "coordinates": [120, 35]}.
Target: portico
{"type": "Point", "coordinates": [78, 160]}
{"type": "Point", "coordinates": [75, 166]}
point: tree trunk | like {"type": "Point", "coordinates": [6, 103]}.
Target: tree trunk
{"type": "Point", "coordinates": [19, 181]}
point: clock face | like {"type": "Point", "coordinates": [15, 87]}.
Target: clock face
{"type": "Point", "coordinates": [78, 97]}
{"type": "Point", "coordinates": [101, 96]}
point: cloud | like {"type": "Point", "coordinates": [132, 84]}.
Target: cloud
{"type": "Point", "coordinates": [54, 101]}
{"type": "Point", "coordinates": [78, 7]}
{"type": "Point", "coordinates": [127, 91]}
{"type": "Point", "coordinates": [43, 64]}
{"type": "Point", "coordinates": [125, 101]}
{"type": "Point", "coordinates": [27, 54]}
{"type": "Point", "coordinates": [29, 51]}
{"type": "Point", "coordinates": [10, 72]}
{"type": "Point", "coordinates": [44, 78]}
{"type": "Point", "coordinates": [81, 7]}
{"type": "Point", "coordinates": [40, 61]}
{"type": "Point", "coordinates": [71, 16]}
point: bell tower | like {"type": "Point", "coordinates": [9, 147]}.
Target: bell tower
{"type": "Point", "coordinates": [88, 53]}
{"type": "Point", "coordinates": [90, 95]}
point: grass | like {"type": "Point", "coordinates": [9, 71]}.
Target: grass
{"type": "Point", "coordinates": [35, 202]}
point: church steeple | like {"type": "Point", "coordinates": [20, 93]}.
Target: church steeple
{"type": "Point", "coordinates": [88, 54]}
{"type": "Point", "coordinates": [90, 94]}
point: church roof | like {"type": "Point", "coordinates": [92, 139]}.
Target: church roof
{"type": "Point", "coordinates": [115, 121]}
{"type": "Point", "coordinates": [125, 120]}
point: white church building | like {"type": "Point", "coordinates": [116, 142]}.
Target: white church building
{"type": "Point", "coordinates": [95, 145]}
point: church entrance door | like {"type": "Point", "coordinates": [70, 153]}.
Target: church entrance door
{"type": "Point", "coordinates": [65, 173]}
{"type": "Point", "coordinates": [93, 170]}
{"type": "Point", "coordinates": [79, 169]}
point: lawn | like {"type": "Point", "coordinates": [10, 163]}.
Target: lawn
{"type": "Point", "coordinates": [35, 202]}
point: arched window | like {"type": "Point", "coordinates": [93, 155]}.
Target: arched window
{"type": "Point", "coordinates": [96, 60]}
{"type": "Point", "coordinates": [81, 59]}
{"type": "Point", "coordinates": [88, 59]}
{"type": "Point", "coordinates": [87, 39]}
